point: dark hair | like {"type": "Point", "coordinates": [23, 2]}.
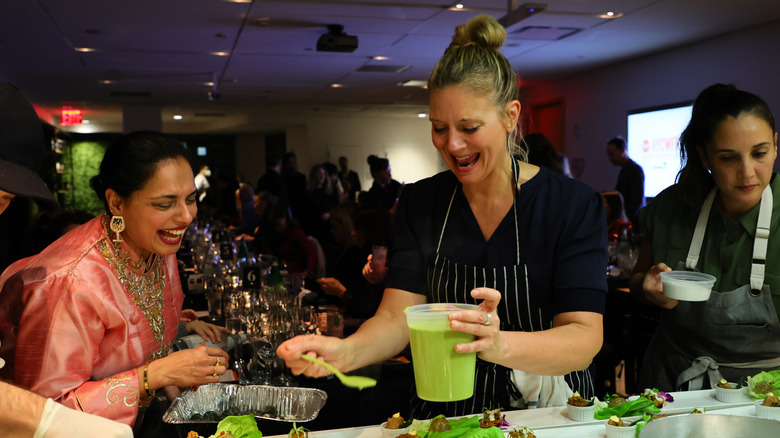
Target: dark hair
{"type": "Point", "coordinates": [614, 200]}
{"type": "Point", "coordinates": [618, 142]}
{"type": "Point", "coordinates": [377, 164]}
{"type": "Point", "coordinates": [542, 153]}
{"type": "Point", "coordinates": [330, 168]}
{"type": "Point", "coordinates": [131, 160]}
{"type": "Point", "coordinates": [713, 105]}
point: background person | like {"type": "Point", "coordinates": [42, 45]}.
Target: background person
{"type": "Point", "coordinates": [631, 179]}
{"type": "Point", "coordinates": [102, 304]}
{"type": "Point", "coordinates": [349, 179]}
{"type": "Point", "coordinates": [487, 214]}
{"type": "Point", "coordinates": [729, 149]}
{"type": "Point", "coordinates": [385, 190]}
{"type": "Point", "coordinates": [24, 413]}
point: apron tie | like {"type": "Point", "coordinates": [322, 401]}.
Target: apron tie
{"type": "Point", "coordinates": [695, 374]}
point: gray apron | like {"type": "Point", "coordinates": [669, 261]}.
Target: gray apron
{"type": "Point", "coordinates": [453, 282]}
{"type": "Point", "coordinates": [731, 335]}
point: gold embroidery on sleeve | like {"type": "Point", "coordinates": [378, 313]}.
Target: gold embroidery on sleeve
{"type": "Point", "coordinates": [118, 390]}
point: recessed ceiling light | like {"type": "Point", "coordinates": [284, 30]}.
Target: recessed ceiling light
{"type": "Point", "coordinates": [422, 115]}
{"type": "Point", "coordinates": [85, 49]}
{"type": "Point", "coordinates": [459, 6]}
{"type": "Point", "coordinates": [380, 58]}
{"type": "Point", "coordinates": [177, 117]}
{"type": "Point", "coordinates": [221, 53]}
{"type": "Point", "coordinates": [610, 14]}
{"type": "Point", "coordinates": [336, 85]}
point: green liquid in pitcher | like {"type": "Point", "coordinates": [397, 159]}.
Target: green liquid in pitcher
{"type": "Point", "coordinates": [440, 373]}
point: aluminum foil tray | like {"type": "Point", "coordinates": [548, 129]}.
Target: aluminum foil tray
{"type": "Point", "coordinates": [213, 402]}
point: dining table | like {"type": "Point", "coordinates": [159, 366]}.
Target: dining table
{"type": "Point", "coordinates": [554, 422]}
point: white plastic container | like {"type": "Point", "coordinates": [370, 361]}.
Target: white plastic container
{"type": "Point", "coordinates": [771, 412]}
{"type": "Point", "coordinates": [580, 413]}
{"type": "Point", "coordinates": [687, 285]}
{"type": "Point", "coordinates": [736, 395]}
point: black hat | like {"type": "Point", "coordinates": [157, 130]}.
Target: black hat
{"type": "Point", "coordinates": [21, 149]}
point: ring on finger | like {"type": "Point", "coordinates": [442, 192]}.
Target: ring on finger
{"type": "Point", "coordinates": [215, 371]}
{"type": "Point", "coordinates": [217, 363]}
{"type": "Point", "coordinates": [489, 319]}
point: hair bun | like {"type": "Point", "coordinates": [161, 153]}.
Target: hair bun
{"type": "Point", "coordinates": [483, 30]}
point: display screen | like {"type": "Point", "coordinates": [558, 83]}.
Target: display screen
{"type": "Point", "coordinates": [653, 136]}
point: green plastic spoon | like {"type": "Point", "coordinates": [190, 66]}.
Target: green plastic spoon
{"type": "Point", "coordinates": [359, 382]}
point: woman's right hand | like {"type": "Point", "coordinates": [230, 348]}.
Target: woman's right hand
{"type": "Point", "coordinates": [653, 288]}
{"type": "Point", "coordinates": [189, 367]}
{"type": "Point", "coordinates": [330, 349]}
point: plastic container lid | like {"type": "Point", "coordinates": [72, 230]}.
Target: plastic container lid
{"type": "Point", "coordinates": [687, 285]}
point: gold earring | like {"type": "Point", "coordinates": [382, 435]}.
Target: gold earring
{"type": "Point", "coordinates": [117, 226]}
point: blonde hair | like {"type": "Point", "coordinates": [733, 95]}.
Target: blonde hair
{"type": "Point", "coordinates": [472, 60]}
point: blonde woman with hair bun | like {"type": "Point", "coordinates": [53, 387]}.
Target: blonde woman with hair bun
{"type": "Point", "coordinates": [524, 243]}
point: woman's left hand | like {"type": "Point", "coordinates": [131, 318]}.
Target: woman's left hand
{"type": "Point", "coordinates": [484, 324]}
{"type": "Point", "coordinates": [207, 331]}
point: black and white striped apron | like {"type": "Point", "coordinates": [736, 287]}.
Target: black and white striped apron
{"type": "Point", "coordinates": [451, 282]}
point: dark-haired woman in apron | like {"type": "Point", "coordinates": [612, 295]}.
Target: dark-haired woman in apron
{"type": "Point", "coordinates": [524, 243]}
{"type": "Point", "coordinates": [721, 218]}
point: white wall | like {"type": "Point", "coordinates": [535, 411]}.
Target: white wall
{"type": "Point", "coordinates": [596, 103]}
{"type": "Point", "coordinates": [406, 142]}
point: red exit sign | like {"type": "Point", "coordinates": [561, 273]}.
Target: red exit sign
{"type": "Point", "coordinates": [70, 117]}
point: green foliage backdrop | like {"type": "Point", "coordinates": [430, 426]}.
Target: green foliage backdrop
{"type": "Point", "coordinates": [85, 158]}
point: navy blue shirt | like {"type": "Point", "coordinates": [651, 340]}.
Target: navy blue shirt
{"type": "Point", "coordinates": [562, 239]}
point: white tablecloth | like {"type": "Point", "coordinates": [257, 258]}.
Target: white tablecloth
{"type": "Point", "coordinates": [554, 422]}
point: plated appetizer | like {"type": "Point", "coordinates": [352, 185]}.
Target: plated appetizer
{"type": "Point", "coordinates": [395, 422]}
{"type": "Point", "coordinates": [577, 400]}
{"type": "Point", "coordinates": [769, 407]}
{"type": "Point", "coordinates": [725, 385]}
{"type": "Point", "coordinates": [771, 401]}
{"type": "Point", "coordinates": [580, 409]}
{"type": "Point", "coordinates": [617, 428]}
{"type": "Point", "coordinates": [440, 424]}
{"type": "Point", "coordinates": [298, 432]}
{"type": "Point", "coordinates": [660, 398]}
{"type": "Point", "coordinates": [491, 418]}
{"type": "Point", "coordinates": [614, 400]}
{"type": "Point", "coordinates": [521, 432]}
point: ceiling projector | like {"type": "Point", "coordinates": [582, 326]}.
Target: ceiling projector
{"type": "Point", "coordinates": [336, 40]}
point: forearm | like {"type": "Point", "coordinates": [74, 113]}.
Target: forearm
{"type": "Point", "coordinates": [557, 351]}
{"type": "Point", "coordinates": [386, 333]}
{"type": "Point", "coordinates": [20, 411]}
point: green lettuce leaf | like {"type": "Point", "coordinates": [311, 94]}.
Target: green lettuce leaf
{"type": "Point", "coordinates": [628, 409]}
{"type": "Point", "coordinates": [243, 426]}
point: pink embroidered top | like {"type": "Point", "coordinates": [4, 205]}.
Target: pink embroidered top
{"type": "Point", "coordinates": [78, 319]}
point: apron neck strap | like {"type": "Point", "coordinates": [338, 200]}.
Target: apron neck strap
{"type": "Point", "coordinates": [760, 241]}
{"type": "Point", "coordinates": [698, 234]}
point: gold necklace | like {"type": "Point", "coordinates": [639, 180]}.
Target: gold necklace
{"type": "Point", "coordinates": [143, 279]}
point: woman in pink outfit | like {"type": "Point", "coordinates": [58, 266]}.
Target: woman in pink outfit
{"type": "Point", "coordinates": [90, 320]}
